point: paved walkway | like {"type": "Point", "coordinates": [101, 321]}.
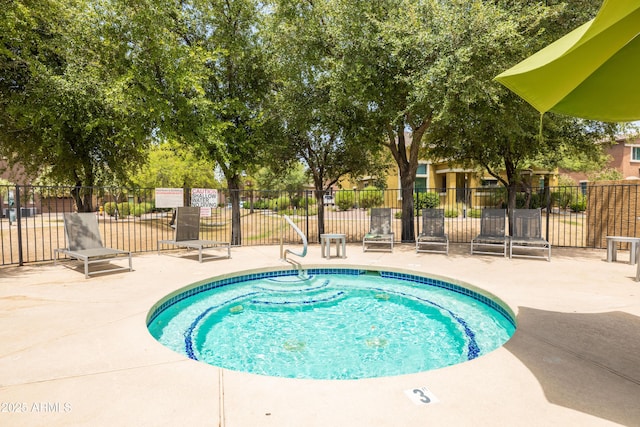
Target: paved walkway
{"type": "Point", "coordinates": [77, 352]}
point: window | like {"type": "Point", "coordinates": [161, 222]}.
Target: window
{"type": "Point", "coordinates": [422, 177]}
{"type": "Point", "coordinates": [443, 184]}
{"type": "Point", "coordinates": [489, 182]}
{"type": "Point", "coordinates": [635, 154]}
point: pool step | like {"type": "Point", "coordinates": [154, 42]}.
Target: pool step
{"type": "Point", "coordinates": [293, 287]}
{"type": "Point", "coordinates": [293, 300]}
{"type": "Point", "coordinates": [291, 279]}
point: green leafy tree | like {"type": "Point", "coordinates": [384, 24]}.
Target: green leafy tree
{"type": "Point", "coordinates": [65, 107]}
{"type": "Point", "coordinates": [607, 174]}
{"type": "Point", "coordinates": [210, 69]}
{"type": "Point", "coordinates": [488, 125]}
{"type": "Point", "coordinates": [292, 180]}
{"type": "Point", "coordinates": [173, 165]}
{"type": "Point", "coordinates": [332, 137]}
{"type": "Point", "coordinates": [411, 63]}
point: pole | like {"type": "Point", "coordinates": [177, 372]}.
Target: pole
{"type": "Point", "coordinates": [306, 208]}
{"type": "Point", "coordinates": [18, 222]}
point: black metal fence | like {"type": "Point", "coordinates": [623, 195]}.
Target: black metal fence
{"type": "Point", "coordinates": [31, 217]}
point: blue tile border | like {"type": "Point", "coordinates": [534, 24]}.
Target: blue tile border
{"type": "Point", "coordinates": [315, 271]}
{"type": "Point", "coordinates": [454, 288]}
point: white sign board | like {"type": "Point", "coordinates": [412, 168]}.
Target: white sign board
{"type": "Point", "coordinates": [169, 197]}
{"type": "Point", "coordinates": [421, 396]}
{"type": "Point", "coordinates": [204, 197]}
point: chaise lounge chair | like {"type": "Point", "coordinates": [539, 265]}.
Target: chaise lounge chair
{"type": "Point", "coordinates": [85, 244]}
{"type": "Point", "coordinates": [432, 238]}
{"type": "Point", "coordinates": [380, 235]}
{"type": "Point", "coordinates": [187, 234]}
{"type": "Point", "coordinates": [492, 233]}
{"type": "Point", "coordinates": [527, 235]}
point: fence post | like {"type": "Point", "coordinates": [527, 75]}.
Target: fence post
{"type": "Point", "coordinates": [19, 224]}
{"type": "Point", "coordinates": [547, 191]}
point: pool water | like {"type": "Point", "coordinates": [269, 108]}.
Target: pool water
{"type": "Point", "coordinates": [342, 325]}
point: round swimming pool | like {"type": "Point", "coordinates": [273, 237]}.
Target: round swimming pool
{"type": "Point", "coordinates": [338, 323]}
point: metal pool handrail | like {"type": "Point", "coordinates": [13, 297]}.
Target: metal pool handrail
{"type": "Point", "coordinates": [284, 252]}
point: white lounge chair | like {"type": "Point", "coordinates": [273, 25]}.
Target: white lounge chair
{"type": "Point", "coordinates": [187, 235]}
{"type": "Point", "coordinates": [492, 233]}
{"type": "Point", "coordinates": [85, 244]}
{"type": "Point", "coordinates": [380, 236]}
{"type": "Point", "coordinates": [432, 238]}
{"type": "Point", "coordinates": [526, 235]}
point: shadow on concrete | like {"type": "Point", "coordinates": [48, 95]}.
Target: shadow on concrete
{"type": "Point", "coordinates": [586, 362]}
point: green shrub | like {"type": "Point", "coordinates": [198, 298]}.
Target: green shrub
{"type": "Point", "coordinates": [137, 210]}
{"type": "Point", "coordinates": [344, 199]}
{"type": "Point", "coordinates": [521, 198]}
{"type": "Point", "coordinates": [451, 213]}
{"type": "Point", "coordinates": [561, 198]}
{"type": "Point", "coordinates": [110, 208]}
{"type": "Point", "coordinates": [297, 201]}
{"type": "Point", "coordinates": [428, 200]}
{"type": "Point", "coordinates": [474, 213]}
{"type": "Point", "coordinates": [578, 204]}
{"type": "Point", "coordinates": [370, 197]}
{"type": "Point", "coordinates": [313, 210]}
{"type": "Point", "coordinates": [280, 204]}
{"type": "Point", "coordinates": [398, 215]}
{"type": "Point", "coordinates": [261, 204]}
{"type": "Point", "coordinates": [312, 202]}
{"type": "Point", "coordinates": [146, 207]}
{"type": "Point", "coordinates": [124, 209]}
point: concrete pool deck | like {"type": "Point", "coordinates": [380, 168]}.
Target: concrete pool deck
{"type": "Point", "coordinates": [76, 352]}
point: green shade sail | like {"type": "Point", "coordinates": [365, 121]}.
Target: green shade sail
{"type": "Point", "coordinates": [593, 72]}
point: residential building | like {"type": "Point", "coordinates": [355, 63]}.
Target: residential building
{"type": "Point", "coordinates": [624, 157]}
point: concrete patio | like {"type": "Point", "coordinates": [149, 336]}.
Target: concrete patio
{"type": "Point", "coordinates": [76, 352]}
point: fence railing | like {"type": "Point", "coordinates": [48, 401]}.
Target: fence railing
{"type": "Point", "coordinates": [31, 224]}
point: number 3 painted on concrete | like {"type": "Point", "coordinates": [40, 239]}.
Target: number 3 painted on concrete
{"type": "Point", "coordinates": [423, 397]}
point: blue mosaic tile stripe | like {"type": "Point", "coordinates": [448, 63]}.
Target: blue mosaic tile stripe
{"type": "Point", "coordinates": [473, 350]}
{"type": "Point", "coordinates": [188, 334]}
{"type": "Point", "coordinates": [451, 287]}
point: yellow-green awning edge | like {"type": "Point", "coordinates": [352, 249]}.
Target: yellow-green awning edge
{"type": "Point", "coordinates": [592, 72]}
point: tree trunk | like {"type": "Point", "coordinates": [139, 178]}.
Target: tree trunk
{"type": "Point", "coordinates": [407, 167]}
{"type": "Point", "coordinates": [233, 184]}
{"type": "Point", "coordinates": [512, 185]}
{"type": "Point", "coordinates": [83, 197]}
{"type": "Point", "coordinates": [320, 203]}
{"type": "Point", "coordinates": [408, 228]}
